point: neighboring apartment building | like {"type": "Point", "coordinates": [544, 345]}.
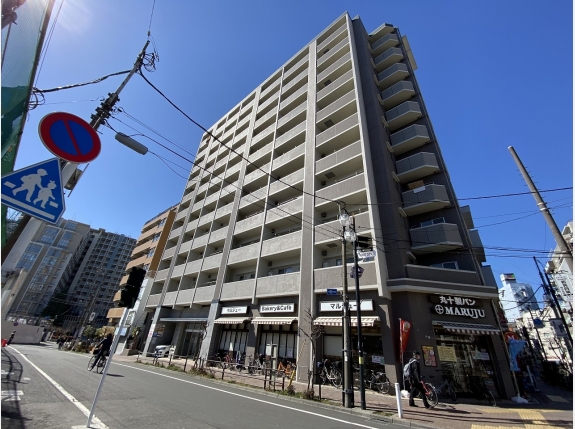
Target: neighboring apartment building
{"type": "Point", "coordinates": [46, 258]}
{"type": "Point", "coordinates": [561, 273]}
{"type": "Point", "coordinates": [146, 254]}
{"type": "Point", "coordinates": [94, 284]}
{"type": "Point", "coordinates": [516, 298]}
{"type": "Point", "coordinates": [256, 241]}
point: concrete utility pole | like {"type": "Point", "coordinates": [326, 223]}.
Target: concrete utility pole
{"type": "Point", "coordinates": [359, 332]}
{"type": "Point", "coordinates": [561, 243]}
{"type": "Point", "coordinates": [347, 392]}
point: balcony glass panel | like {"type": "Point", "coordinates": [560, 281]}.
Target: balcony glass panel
{"type": "Point", "coordinates": [388, 58]}
{"type": "Point", "coordinates": [403, 114]}
{"type": "Point", "coordinates": [398, 93]}
{"type": "Point", "coordinates": [435, 238]}
{"type": "Point", "coordinates": [416, 166]}
{"type": "Point", "coordinates": [384, 43]}
{"type": "Point", "coordinates": [425, 199]}
{"type": "Point", "coordinates": [409, 138]}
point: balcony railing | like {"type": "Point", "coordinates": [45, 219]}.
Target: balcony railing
{"type": "Point", "coordinates": [425, 199]}
{"type": "Point", "coordinates": [403, 114]}
{"type": "Point", "coordinates": [384, 43]}
{"type": "Point", "coordinates": [388, 58]}
{"type": "Point", "coordinates": [409, 138]}
{"type": "Point", "coordinates": [398, 93]}
{"type": "Point", "coordinates": [435, 238]}
{"type": "Point", "coordinates": [416, 166]}
{"type": "Point", "coordinates": [333, 67]}
{"type": "Point", "coordinates": [337, 33]}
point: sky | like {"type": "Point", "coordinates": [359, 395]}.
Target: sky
{"type": "Point", "coordinates": [492, 74]}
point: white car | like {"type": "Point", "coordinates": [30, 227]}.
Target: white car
{"type": "Point", "coordinates": [162, 351]}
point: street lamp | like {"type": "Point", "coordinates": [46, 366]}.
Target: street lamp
{"type": "Point", "coordinates": [347, 392]}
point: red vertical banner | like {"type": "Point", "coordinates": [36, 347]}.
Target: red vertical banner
{"type": "Point", "coordinates": [404, 330]}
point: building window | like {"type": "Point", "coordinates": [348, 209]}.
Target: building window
{"type": "Point", "coordinates": [29, 256]}
{"type": "Point", "coordinates": [65, 240]}
{"type": "Point", "coordinates": [54, 252]}
{"type": "Point", "coordinates": [162, 222]}
{"type": "Point", "coordinates": [146, 267]}
{"type": "Point", "coordinates": [151, 253]}
{"type": "Point", "coordinates": [449, 265]}
{"type": "Point", "coordinates": [156, 237]}
{"type": "Point", "coordinates": [49, 235]}
{"type": "Point", "coordinates": [433, 221]}
{"type": "Point", "coordinates": [71, 225]}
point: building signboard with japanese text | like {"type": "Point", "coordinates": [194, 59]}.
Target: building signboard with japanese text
{"type": "Point", "coordinates": [235, 310]}
{"type": "Point", "coordinates": [366, 305]}
{"type": "Point", "coordinates": [447, 305]}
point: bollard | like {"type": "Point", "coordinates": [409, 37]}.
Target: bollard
{"type": "Point", "coordinates": [398, 398]}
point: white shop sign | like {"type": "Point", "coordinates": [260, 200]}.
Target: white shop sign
{"type": "Point", "coordinates": [235, 310]}
{"type": "Point", "coordinates": [366, 305]}
{"type": "Point", "coordinates": [458, 306]}
{"type": "Point", "coordinates": [277, 308]}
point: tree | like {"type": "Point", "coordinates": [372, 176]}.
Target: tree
{"type": "Point", "coordinates": [89, 332]}
{"type": "Point", "coordinates": [313, 334]}
{"type": "Point", "coordinates": [104, 330]}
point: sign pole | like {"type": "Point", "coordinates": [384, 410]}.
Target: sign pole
{"type": "Point", "coordinates": [346, 324]}
{"type": "Point", "coordinates": [359, 333]}
{"type": "Point", "coordinates": [108, 362]}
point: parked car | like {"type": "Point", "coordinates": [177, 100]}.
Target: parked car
{"type": "Point", "coordinates": [162, 351]}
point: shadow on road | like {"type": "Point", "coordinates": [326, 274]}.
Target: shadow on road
{"type": "Point", "coordinates": [11, 380]}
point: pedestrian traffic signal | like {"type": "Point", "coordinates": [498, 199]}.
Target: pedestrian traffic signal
{"type": "Point", "coordinates": [129, 293]}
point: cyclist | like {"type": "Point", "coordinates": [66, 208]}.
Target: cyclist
{"type": "Point", "coordinates": [103, 348]}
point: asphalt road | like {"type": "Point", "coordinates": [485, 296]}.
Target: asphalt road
{"type": "Point", "coordinates": [137, 396]}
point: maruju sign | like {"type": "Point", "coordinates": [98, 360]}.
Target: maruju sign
{"type": "Point", "coordinates": [447, 305]}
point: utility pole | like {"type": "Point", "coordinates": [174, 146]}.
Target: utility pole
{"type": "Point", "coordinates": [359, 333]}
{"type": "Point", "coordinates": [347, 392]}
{"type": "Point", "coordinates": [550, 291]}
{"type": "Point", "coordinates": [561, 243]}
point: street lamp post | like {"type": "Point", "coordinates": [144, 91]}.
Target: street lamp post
{"type": "Point", "coordinates": [347, 392]}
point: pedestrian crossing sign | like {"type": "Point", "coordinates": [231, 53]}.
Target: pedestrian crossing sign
{"type": "Point", "coordinates": [36, 190]}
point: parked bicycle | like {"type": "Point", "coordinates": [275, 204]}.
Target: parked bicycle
{"type": "Point", "coordinates": [445, 389]}
{"type": "Point", "coordinates": [478, 389]}
{"type": "Point", "coordinates": [377, 381]}
{"type": "Point", "coordinates": [430, 393]}
{"type": "Point", "coordinates": [330, 372]}
{"type": "Point", "coordinates": [256, 366]}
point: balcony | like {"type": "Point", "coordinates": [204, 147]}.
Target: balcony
{"type": "Point", "coordinates": [383, 44]}
{"type": "Point", "coordinates": [153, 300]}
{"type": "Point", "coordinates": [253, 197]}
{"type": "Point", "coordinates": [398, 93]}
{"type": "Point", "coordinates": [415, 167]}
{"type": "Point", "coordinates": [340, 189]}
{"type": "Point", "coordinates": [256, 174]}
{"type": "Point", "coordinates": [178, 271]}
{"type": "Point", "coordinates": [243, 289]}
{"type": "Point", "coordinates": [338, 132]}
{"type": "Point", "coordinates": [292, 114]}
{"type": "Point", "coordinates": [185, 297]}
{"type": "Point", "coordinates": [295, 81]}
{"type": "Point", "coordinates": [187, 197]}
{"type": "Point", "coordinates": [115, 313]}
{"type": "Point", "coordinates": [244, 254]}
{"type": "Point", "coordinates": [339, 109]}
{"type": "Point", "coordinates": [204, 295]}
{"type": "Point", "coordinates": [387, 59]}
{"type": "Point", "coordinates": [297, 131]}
{"type": "Point", "coordinates": [425, 199]}
{"type": "Point", "coordinates": [170, 299]}
{"type": "Point", "coordinates": [331, 277]}
{"type": "Point", "coordinates": [333, 67]}
{"type": "Point", "coordinates": [211, 198]}
{"type": "Point", "coordinates": [175, 233]}
{"type": "Point", "coordinates": [249, 223]}
{"type": "Point", "coordinates": [284, 210]}
{"type": "Point", "coordinates": [381, 31]}
{"type": "Point", "coordinates": [290, 180]}
{"type": "Point", "coordinates": [161, 275]}
{"type": "Point", "coordinates": [180, 216]}
{"type": "Point", "coordinates": [185, 247]}
{"type": "Point", "coordinates": [477, 245]}
{"type": "Point", "coordinates": [403, 114]}
{"type": "Point", "coordinates": [193, 267]}
{"type": "Point", "coordinates": [200, 241]}
{"type": "Point", "coordinates": [233, 169]}
{"type": "Point", "coordinates": [207, 218]}
{"type": "Point", "coordinates": [169, 253]}
{"type": "Point", "coordinates": [269, 103]}
{"type": "Point", "coordinates": [263, 134]}
{"type": "Point", "coordinates": [219, 234]}
{"type": "Point", "coordinates": [342, 155]}
{"type": "Point", "coordinates": [442, 275]}
{"type": "Point", "coordinates": [440, 237]}
{"type": "Point", "coordinates": [409, 138]}
{"type": "Point", "coordinates": [212, 261]}
{"type": "Point", "coordinates": [272, 86]}
{"type": "Point", "coordinates": [260, 152]}
{"type": "Point", "coordinates": [333, 54]}
{"type": "Point", "coordinates": [330, 231]}
{"type": "Point", "coordinates": [192, 225]}
{"type": "Point", "coordinates": [296, 152]}
{"type": "Point", "coordinates": [340, 33]}
{"type": "Point", "coordinates": [300, 93]}
{"type": "Point", "coordinates": [282, 244]}
{"type": "Point", "coordinates": [295, 67]}
{"type": "Point", "coordinates": [284, 284]}
{"type": "Point", "coordinates": [268, 117]}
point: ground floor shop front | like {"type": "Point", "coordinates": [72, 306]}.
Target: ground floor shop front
{"type": "Point", "coordinates": [458, 337]}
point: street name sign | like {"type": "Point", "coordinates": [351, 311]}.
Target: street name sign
{"type": "Point", "coordinates": [36, 190]}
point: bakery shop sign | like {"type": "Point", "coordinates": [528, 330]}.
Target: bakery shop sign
{"type": "Point", "coordinates": [446, 305]}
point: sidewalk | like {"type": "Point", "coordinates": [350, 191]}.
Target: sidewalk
{"type": "Point", "coordinates": [552, 407]}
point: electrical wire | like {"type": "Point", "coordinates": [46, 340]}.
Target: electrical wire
{"type": "Point", "coordinates": [164, 161]}
{"type": "Point", "coordinates": [76, 85]}
{"type": "Point", "coordinates": [527, 301]}
{"type": "Point", "coordinates": [44, 49]}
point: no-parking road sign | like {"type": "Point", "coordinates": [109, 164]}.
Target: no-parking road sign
{"type": "Point", "coordinates": [69, 137]}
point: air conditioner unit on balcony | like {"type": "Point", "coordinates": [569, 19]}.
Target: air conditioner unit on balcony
{"type": "Point", "coordinates": [323, 214]}
{"type": "Point", "coordinates": [324, 253]}
{"type": "Point", "coordinates": [323, 183]}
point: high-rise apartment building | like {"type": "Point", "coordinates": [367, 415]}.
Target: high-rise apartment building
{"type": "Point", "coordinates": [516, 298]}
{"type": "Point", "coordinates": [256, 242]}
{"type": "Point", "coordinates": [146, 254]}
{"type": "Point", "coordinates": [92, 288]}
{"type": "Point", "coordinates": [45, 259]}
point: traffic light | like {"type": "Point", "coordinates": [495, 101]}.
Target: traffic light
{"type": "Point", "coordinates": [363, 242]}
{"type": "Point", "coordinates": [129, 293]}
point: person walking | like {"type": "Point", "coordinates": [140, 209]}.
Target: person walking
{"type": "Point", "coordinates": [103, 349]}
{"type": "Point", "coordinates": [11, 337]}
{"type": "Point", "coordinates": [416, 385]}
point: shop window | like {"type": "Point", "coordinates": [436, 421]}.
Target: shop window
{"type": "Point", "coordinates": [449, 265]}
{"type": "Point", "coordinates": [432, 222]}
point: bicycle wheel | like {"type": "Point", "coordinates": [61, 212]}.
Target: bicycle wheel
{"type": "Point", "coordinates": [431, 395]}
{"type": "Point", "coordinates": [100, 366]}
{"type": "Point", "coordinates": [336, 378]}
{"type": "Point", "coordinates": [489, 398]}
{"type": "Point", "coordinates": [91, 363]}
{"type": "Point", "coordinates": [384, 385]}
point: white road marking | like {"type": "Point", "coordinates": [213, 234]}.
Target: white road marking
{"type": "Point", "coordinates": [248, 397]}
{"type": "Point", "coordinates": [26, 379]}
{"type": "Point", "coordinates": [12, 392]}
{"type": "Point", "coordinates": [63, 391]}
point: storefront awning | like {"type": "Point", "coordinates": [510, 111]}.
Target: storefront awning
{"type": "Point", "coordinates": [231, 320]}
{"type": "Point", "coordinates": [273, 320]}
{"type": "Point", "coordinates": [336, 321]}
{"type": "Point", "coordinates": [468, 328]}
{"type": "Point", "coordinates": [182, 319]}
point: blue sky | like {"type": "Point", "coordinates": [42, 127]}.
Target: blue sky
{"type": "Point", "coordinates": [492, 74]}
